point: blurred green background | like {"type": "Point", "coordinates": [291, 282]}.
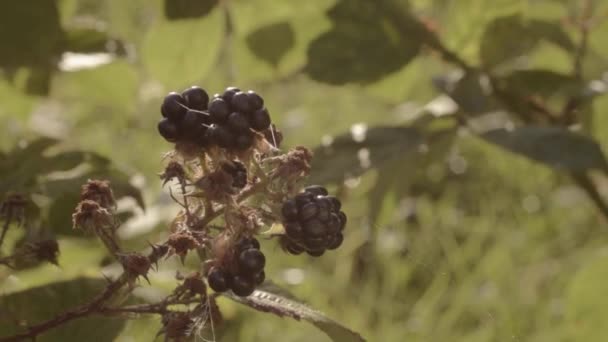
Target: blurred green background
{"type": "Point", "coordinates": [450, 238]}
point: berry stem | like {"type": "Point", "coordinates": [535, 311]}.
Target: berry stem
{"type": "Point", "coordinates": [7, 224]}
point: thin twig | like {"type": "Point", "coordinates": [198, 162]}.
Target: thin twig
{"type": "Point", "coordinates": [583, 27]}
{"type": "Point", "coordinates": [7, 224]}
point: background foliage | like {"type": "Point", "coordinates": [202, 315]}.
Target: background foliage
{"type": "Point", "coordinates": [424, 111]}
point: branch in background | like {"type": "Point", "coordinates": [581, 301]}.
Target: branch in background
{"type": "Point", "coordinates": [583, 180]}
{"type": "Point", "coordinates": [583, 24]}
{"type": "Point", "coordinates": [95, 306]}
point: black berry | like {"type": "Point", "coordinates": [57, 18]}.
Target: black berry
{"type": "Point", "coordinates": [219, 110]}
{"type": "Point", "coordinates": [293, 229]}
{"type": "Point", "coordinates": [252, 261]}
{"type": "Point", "coordinates": [196, 98]}
{"type": "Point", "coordinates": [244, 141]}
{"type": "Point", "coordinates": [259, 278]}
{"type": "Point", "coordinates": [221, 136]}
{"type": "Point", "coordinates": [315, 253]}
{"type": "Point", "coordinates": [238, 122]}
{"type": "Point", "coordinates": [168, 130]}
{"type": "Point", "coordinates": [314, 228]}
{"type": "Point", "coordinates": [218, 279]}
{"type": "Point", "coordinates": [242, 286]}
{"type": "Point", "coordinates": [260, 119]}
{"type": "Point", "coordinates": [173, 107]}
{"type": "Point", "coordinates": [229, 93]}
{"type": "Point", "coordinates": [255, 100]}
{"type": "Point", "coordinates": [290, 210]}
{"type": "Point", "coordinates": [336, 241]}
{"type": "Point", "coordinates": [240, 102]}
{"type": "Point", "coordinates": [308, 211]}
{"type": "Point", "coordinates": [192, 124]}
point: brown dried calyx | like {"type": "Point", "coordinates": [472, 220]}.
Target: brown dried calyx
{"type": "Point", "coordinates": [173, 170]}
{"type": "Point", "coordinates": [136, 264]}
{"type": "Point", "coordinates": [180, 243]}
{"type": "Point", "coordinates": [178, 325]}
{"type": "Point", "coordinates": [98, 191]}
{"type": "Point", "coordinates": [89, 215]}
{"type": "Point", "coordinates": [295, 164]}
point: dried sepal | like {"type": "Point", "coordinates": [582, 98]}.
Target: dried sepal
{"type": "Point", "coordinates": [136, 265]}
{"type": "Point", "coordinates": [174, 170]}
{"type": "Point", "coordinates": [90, 215]}
{"type": "Point", "coordinates": [98, 191]}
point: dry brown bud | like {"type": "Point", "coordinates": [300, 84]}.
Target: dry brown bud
{"type": "Point", "coordinates": [98, 191]}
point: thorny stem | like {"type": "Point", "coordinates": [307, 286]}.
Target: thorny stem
{"type": "Point", "coordinates": [95, 306]}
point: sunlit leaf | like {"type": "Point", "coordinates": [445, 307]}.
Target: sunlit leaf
{"type": "Point", "coordinates": [512, 36]}
{"type": "Point", "coordinates": [368, 41]}
{"type": "Point", "coordinates": [553, 146]}
{"type": "Point", "coordinates": [41, 303]}
{"type": "Point", "coordinates": [363, 149]}
{"type": "Point", "coordinates": [188, 9]}
{"type": "Point", "coordinates": [284, 307]}
{"type": "Point", "coordinates": [181, 52]}
{"type": "Point", "coordinates": [270, 43]}
{"type": "Point", "coordinates": [30, 33]}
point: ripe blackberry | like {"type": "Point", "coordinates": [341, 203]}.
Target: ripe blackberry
{"type": "Point", "coordinates": [256, 101]}
{"type": "Point", "coordinates": [244, 141]}
{"type": "Point", "coordinates": [191, 125]}
{"type": "Point", "coordinates": [313, 222]}
{"type": "Point", "coordinates": [219, 280]}
{"type": "Point", "coordinates": [221, 136]}
{"type": "Point", "coordinates": [242, 286]}
{"type": "Point", "coordinates": [238, 122]}
{"type": "Point", "coordinates": [196, 98]}
{"type": "Point", "coordinates": [247, 243]}
{"type": "Point", "coordinates": [259, 278]}
{"type": "Point", "coordinates": [219, 110]}
{"type": "Point", "coordinates": [229, 93]}
{"type": "Point", "coordinates": [251, 261]}
{"type": "Point", "coordinates": [240, 102]}
{"type": "Point", "coordinates": [174, 107]}
{"type": "Point", "coordinates": [168, 130]}
{"type": "Point", "coordinates": [336, 241]}
{"type": "Point", "coordinates": [290, 210]}
{"type": "Point", "coordinates": [260, 119]}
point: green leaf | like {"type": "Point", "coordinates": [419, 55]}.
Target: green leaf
{"type": "Point", "coordinates": [368, 41]}
{"type": "Point", "coordinates": [543, 83]}
{"type": "Point", "coordinates": [31, 33]}
{"type": "Point", "coordinates": [180, 53]}
{"type": "Point", "coordinates": [556, 147]}
{"type": "Point", "coordinates": [282, 306]}
{"type": "Point", "coordinates": [41, 303]}
{"type": "Point", "coordinates": [363, 149]}
{"type": "Point", "coordinates": [271, 42]}
{"type": "Point", "coordinates": [188, 9]}
{"type": "Point", "coordinates": [512, 36]}
{"type": "Point", "coordinates": [468, 91]}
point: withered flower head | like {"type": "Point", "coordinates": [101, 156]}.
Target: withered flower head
{"type": "Point", "coordinates": [14, 206]}
{"type": "Point", "coordinates": [98, 191]}
{"type": "Point", "coordinates": [173, 170]}
{"type": "Point", "coordinates": [45, 250]}
{"type": "Point", "coordinates": [89, 215]}
{"type": "Point", "coordinates": [136, 264]}
{"type": "Point", "coordinates": [296, 163]}
{"type": "Point", "coordinates": [178, 324]}
{"type": "Point", "coordinates": [182, 242]}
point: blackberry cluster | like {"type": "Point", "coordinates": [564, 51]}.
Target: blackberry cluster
{"type": "Point", "coordinates": [228, 121]}
{"type": "Point", "coordinates": [234, 115]}
{"type": "Point", "coordinates": [237, 171]}
{"type": "Point", "coordinates": [313, 222]}
{"type": "Point", "coordinates": [184, 118]}
{"type": "Point", "coordinates": [243, 272]}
